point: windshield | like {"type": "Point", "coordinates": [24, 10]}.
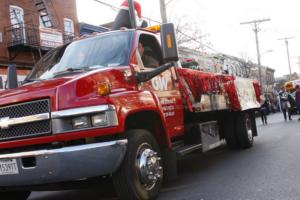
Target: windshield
{"type": "Point", "coordinates": [108, 50]}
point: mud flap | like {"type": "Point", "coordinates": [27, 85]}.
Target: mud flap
{"type": "Point", "coordinates": [210, 136]}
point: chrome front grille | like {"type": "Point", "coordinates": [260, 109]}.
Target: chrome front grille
{"type": "Point", "coordinates": [25, 109]}
{"type": "Point", "coordinates": [11, 127]}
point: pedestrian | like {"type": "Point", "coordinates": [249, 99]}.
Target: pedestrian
{"type": "Point", "coordinates": [285, 103]}
{"type": "Point", "coordinates": [263, 110]}
{"type": "Point", "coordinates": [298, 99]}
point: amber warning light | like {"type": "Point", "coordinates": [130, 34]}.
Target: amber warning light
{"type": "Point", "coordinates": [155, 28]}
{"type": "Point", "coordinates": [169, 41]}
{"type": "Point", "coordinates": [103, 89]}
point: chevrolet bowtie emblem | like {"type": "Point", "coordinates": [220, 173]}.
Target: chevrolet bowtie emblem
{"type": "Point", "coordinates": [4, 122]}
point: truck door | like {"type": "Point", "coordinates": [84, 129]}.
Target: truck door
{"type": "Point", "coordinates": [163, 86]}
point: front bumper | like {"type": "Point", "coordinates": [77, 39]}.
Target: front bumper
{"type": "Point", "coordinates": [66, 164]}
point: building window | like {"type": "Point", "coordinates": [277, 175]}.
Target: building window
{"type": "Point", "coordinates": [16, 15]}
{"type": "Point", "coordinates": [69, 30]}
{"type": "Point", "coordinates": [17, 25]}
{"type": "Point", "coordinates": [46, 23]}
{"type": "Point", "coordinates": [69, 27]}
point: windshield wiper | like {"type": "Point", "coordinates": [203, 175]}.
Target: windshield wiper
{"type": "Point", "coordinates": [93, 67]}
{"type": "Point", "coordinates": [30, 80]}
{"type": "Point", "coordinates": [68, 70]}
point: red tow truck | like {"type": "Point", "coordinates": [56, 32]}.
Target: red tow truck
{"type": "Point", "coordinates": [97, 108]}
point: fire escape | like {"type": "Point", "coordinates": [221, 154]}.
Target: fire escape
{"type": "Point", "coordinates": [27, 36]}
{"type": "Point", "coordinates": [46, 18]}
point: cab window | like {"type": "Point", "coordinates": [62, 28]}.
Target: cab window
{"type": "Point", "coordinates": [150, 51]}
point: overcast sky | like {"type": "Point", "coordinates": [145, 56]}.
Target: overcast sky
{"type": "Point", "coordinates": [221, 20]}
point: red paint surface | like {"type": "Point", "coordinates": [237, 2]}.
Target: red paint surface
{"type": "Point", "coordinates": [232, 95]}
{"type": "Point", "coordinates": [257, 90]}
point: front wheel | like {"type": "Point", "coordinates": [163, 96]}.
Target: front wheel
{"type": "Point", "coordinates": [141, 173]}
{"type": "Point", "coordinates": [244, 128]}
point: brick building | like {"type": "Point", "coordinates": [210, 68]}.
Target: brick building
{"type": "Point", "coordinates": [30, 28]}
{"type": "Point", "coordinates": [267, 77]}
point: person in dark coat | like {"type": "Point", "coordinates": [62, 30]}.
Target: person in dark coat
{"type": "Point", "coordinates": [297, 98]}
{"type": "Point", "coordinates": [263, 110]}
{"type": "Point", "coordinates": [123, 18]}
{"type": "Point", "coordinates": [285, 103]}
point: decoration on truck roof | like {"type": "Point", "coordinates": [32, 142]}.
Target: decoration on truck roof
{"type": "Point", "coordinates": [124, 19]}
{"type": "Point", "coordinates": [204, 91]}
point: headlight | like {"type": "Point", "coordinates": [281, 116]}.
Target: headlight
{"type": "Point", "coordinates": [80, 122]}
{"type": "Point", "coordinates": [99, 119]}
{"type": "Point", "coordinates": [84, 118]}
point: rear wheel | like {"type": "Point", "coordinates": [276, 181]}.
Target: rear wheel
{"type": "Point", "coordinates": [17, 195]}
{"type": "Point", "coordinates": [244, 128]}
{"type": "Point", "coordinates": [140, 175]}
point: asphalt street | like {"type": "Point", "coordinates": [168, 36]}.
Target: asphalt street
{"type": "Point", "coordinates": [269, 170]}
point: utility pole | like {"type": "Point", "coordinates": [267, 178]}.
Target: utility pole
{"type": "Point", "coordinates": [256, 29]}
{"type": "Point", "coordinates": [163, 11]}
{"type": "Point", "coordinates": [286, 40]}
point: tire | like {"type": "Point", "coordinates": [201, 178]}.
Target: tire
{"type": "Point", "coordinates": [244, 128]}
{"type": "Point", "coordinates": [230, 132]}
{"type": "Point", "coordinates": [134, 182]}
{"type": "Point", "coordinates": [15, 195]}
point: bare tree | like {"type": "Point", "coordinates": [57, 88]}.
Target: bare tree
{"type": "Point", "coordinates": [246, 64]}
{"type": "Point", "coordinates": [190, 35]}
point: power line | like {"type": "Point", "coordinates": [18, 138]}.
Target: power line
{"type": "Point", "coordinates": [108, 5]}
{"type": "Point", "coordinates": [169, 2]}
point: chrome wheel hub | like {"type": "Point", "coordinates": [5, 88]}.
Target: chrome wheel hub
{"type": "Point", "coordinates": [148, 166]}
{"type": "Point", "coordinates": [249, 129]}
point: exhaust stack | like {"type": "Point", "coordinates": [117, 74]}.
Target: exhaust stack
{"type": "Point", "coordinates": [132, 14]}
{"type": "Point", "coordinates": [12, 79]}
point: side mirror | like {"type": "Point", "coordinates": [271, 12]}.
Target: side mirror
{"type": "Point", "coordinates": [141, 77]}
{"type": "Point", "coordinates": [12, 78]}
{"type": "Point", "coordinates": [168, 42]}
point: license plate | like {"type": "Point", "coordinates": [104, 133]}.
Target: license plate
{"type": "Point", "coordinates": [8, 166]}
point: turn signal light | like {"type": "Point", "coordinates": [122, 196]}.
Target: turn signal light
{"type": "Point", "coordinates": [169, 41]}
{"type": "Point", "coordinates": [103, 89]}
